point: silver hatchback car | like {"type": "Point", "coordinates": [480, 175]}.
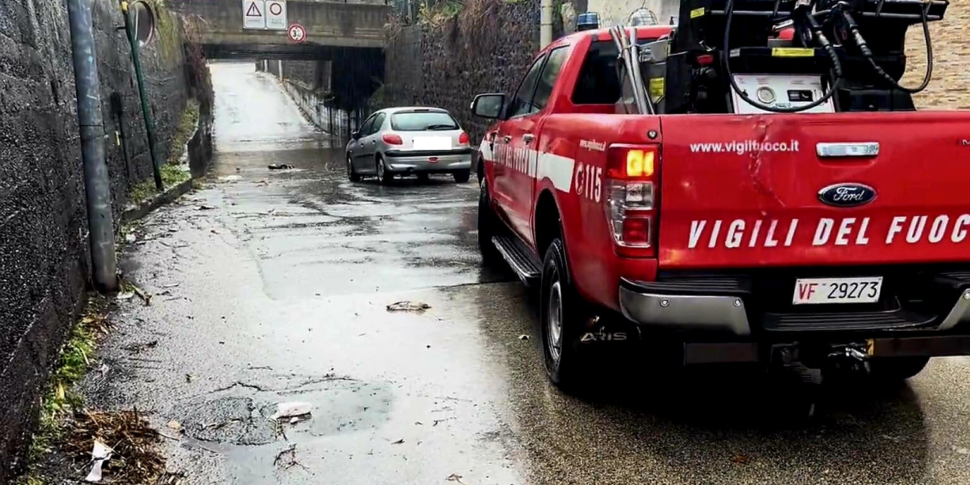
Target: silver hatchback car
{"type": "Point", "coordinates": [409, 141]}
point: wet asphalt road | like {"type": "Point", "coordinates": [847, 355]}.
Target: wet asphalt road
{"type": "Point", "coordinates": [271, 286]}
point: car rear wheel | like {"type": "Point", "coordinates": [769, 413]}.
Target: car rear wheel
{"type": "Point", "coordinates": [351, 173]}
{"type": "Point", "coordinates": [562, 313]}
{"type": "Point", "coordinates": [463, 176]}
{"type": "Point", "coordinates": [383, 176]}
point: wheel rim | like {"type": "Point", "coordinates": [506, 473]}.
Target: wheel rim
{"type": "Point", "coordinates": [350, 167]}
{"type": "Point", "coordinates": [554, 322]}
{"type": "Point", "coordinates": [380, 169]}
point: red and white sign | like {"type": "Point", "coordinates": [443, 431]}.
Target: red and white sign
{"type": "Point", "coordinates": [254, 14]}
{"type": "Point", "coordinates": [296, 33]}
{"type": "Point", "coordinates": [276, 15]}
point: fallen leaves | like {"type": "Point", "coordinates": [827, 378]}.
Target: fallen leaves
{"type": "Point", "coordinates": [454, 477]}
{"type": "Point", "coordinates": [408, 306]}
{"type": "Point", "coordinates": [741, 459]}
{"type": "Point", "coordinates": [133, 443]}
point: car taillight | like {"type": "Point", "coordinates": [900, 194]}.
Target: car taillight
{"type": "Point", "coordinates": [632, 181]}
{"type": "Point", "coordinates": [392, 139]}
{"type": "Point", "coordinates": [463, 138]}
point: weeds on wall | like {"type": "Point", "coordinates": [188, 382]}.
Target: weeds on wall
{"type": "Point", "coordinates": [167, 41]}
{"type": "Point", "coordinates": [200, 79]}
{"type": "Point", "coordinates": [439, 11]}
{"type": "Point", "coordinates": [173, 172]}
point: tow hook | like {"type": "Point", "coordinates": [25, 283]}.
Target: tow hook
{"type": "Point", "coordinates": [856, 354]}
{"type": "Point", "coordinates": [849, 357]}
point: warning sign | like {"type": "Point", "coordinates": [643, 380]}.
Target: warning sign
{"type": "Point", "coordinates": [254, 14]}
{"type": "Point", "coordinates": [276, 15]}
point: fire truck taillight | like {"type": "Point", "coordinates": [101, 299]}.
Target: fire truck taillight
{"type": "Point", "coordinates": [631, 187]}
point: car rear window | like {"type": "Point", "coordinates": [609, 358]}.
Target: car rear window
{"type": "Point", "coordinates": [599, 82]}
{"type": "Point", "coordinates": [423, 121]}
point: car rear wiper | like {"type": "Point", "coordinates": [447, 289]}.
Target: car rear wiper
{"type": "Point", "coordinates": [442, 127]}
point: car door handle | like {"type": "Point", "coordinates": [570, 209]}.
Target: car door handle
{"type": "Point", "coordinates": [528, 137]}
{"type": "Point", "coordinates": [507, 138]}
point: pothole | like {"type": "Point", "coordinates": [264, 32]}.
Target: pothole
{"type": "Point", "coordinates": [234, 420]}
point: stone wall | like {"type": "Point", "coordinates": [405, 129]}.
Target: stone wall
{"type": "Point", "coordinates": [43, 225]}
{"type": "Point", "coordinates": [485, 48]}
{"type": "Point", "coordinates": [488, 46]}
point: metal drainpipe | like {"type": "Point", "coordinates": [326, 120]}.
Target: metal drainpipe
{"type": "Point", "coordinates": [143, 94]}
{"type": "Point", "coordinates": [97, 185]}
{"type": "Point", "coordinates": [545, 23]}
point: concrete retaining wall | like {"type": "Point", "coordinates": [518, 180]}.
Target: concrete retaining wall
{"type": "Point", "coordinates": [43, 226]}
{"type": "Point", "coordinates": [331, 120]}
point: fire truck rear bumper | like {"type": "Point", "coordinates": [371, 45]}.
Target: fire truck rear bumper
{"type": "Point", "coordinates": [717, 314]}
{"type": "Point", "coordinates": [708, 308]}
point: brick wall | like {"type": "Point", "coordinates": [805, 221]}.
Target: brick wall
{"type": "Point", "coordinates": [43, 225]}
{"type": "Point", "coordinates": [950, 88]}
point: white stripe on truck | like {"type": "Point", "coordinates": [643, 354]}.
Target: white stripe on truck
{"type": "Point", "coordinates": [558, 169]}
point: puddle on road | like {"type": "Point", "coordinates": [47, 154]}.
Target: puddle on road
{"type": "Point", "coordinates": [241, 416]}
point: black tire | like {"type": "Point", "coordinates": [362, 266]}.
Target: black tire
{"type": "Point", "coordinates": [463, 176]}
{"type": "Point", "coordinates": [423, 177]}
{"type": "Point", "coordinates": [383, 176]}
{"type": "Point", "coordinates": [488, 227]}
{"type": "Point", "coordinates": [559, 301]}
{"type": "Point", "coordinates": [896, 368]}
{"type": "Point", "coordinates": [351, 173]}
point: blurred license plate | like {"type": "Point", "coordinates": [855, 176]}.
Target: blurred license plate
{"type": "Point", "coordinates": [432, 143]}
{"type": "Point", "coordinates": [817, 291]}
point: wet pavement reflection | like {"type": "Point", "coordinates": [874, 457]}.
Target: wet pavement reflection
{"type": "Point", "coordinates": [279, 293]}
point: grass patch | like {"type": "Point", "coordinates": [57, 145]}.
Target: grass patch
{"type": "Point", "coordinates": [59, 398]}
{"type": "Point", "coordinates": [141, 191]}
{"type": "Point", "coordinates": [173, 173]}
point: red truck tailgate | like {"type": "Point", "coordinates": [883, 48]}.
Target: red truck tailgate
{"type": "Point", "coordinates": [744, 191]}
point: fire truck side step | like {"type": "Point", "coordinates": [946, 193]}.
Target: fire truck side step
{"type": "Point", "coordinates": [525, 264]}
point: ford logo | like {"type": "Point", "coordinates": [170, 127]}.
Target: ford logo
{"type": "Point", "coordinates": [847, 195]}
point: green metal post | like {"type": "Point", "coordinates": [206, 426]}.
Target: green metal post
{"type": "Point", "coordinates": [146, 112]}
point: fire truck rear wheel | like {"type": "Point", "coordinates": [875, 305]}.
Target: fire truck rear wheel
{"type": "Point", "coordinates": [562, 313]}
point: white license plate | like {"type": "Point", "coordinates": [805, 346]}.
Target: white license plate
{"type": "Point", "coordinates": [432, 143]}
{"type": "Point", "coordinates": [818, 291]}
